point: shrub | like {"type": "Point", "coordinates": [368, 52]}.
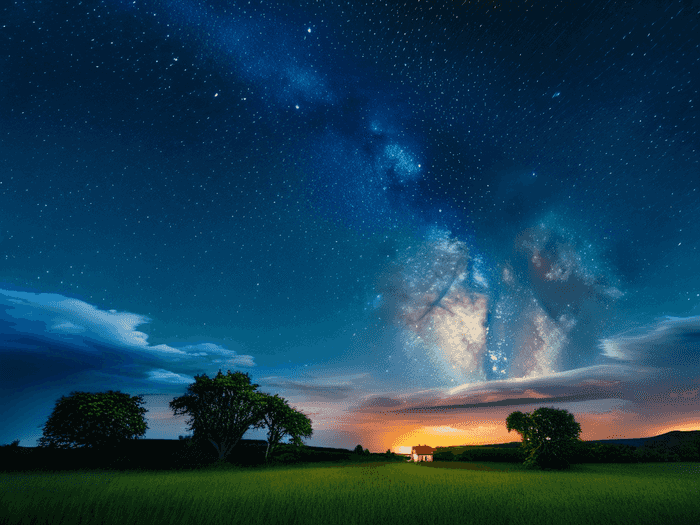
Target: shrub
{"type": "Point", "coordinates": [589, 452]}
{"type": "Point", "coordinates": [444, 455]}
{"type": "Point", "coordinates": [286, 458]}
{"type": "Point", "coordinates": [502, 455]}
{"type": "Point", "coordinates": [657, 453]}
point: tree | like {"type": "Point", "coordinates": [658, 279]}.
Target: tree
{"type": "Point", "coordinates": [282, 420]}
{"type": "Point", "coordinates": [548, 435]}
{"type": "Point", "coordinates": [221, 409]}
{"type": "Point", "coordinates": [298, 426]}
{"type": "Point", "coordinates": [86, 420]}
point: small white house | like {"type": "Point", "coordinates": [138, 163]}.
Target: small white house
{"type": "Point", "coordinates": [422, 453]}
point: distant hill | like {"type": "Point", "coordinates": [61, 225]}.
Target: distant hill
{"type": "Point", "coordinates": [670, 439]}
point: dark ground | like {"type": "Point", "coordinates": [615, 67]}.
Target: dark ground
{"type": "Point", "coordinates": [167, 454]}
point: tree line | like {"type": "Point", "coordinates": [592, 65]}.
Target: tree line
{"type": "Point", "coordinates": [551, 440]}
{"type": "Point", "coordinates": [221, 410]}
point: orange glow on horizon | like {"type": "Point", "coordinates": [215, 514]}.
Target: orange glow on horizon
{"type": "Point", "coordinates": [452, 436]}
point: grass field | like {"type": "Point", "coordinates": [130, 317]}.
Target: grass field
{"type": "Point", "coordinates": [403, 493]}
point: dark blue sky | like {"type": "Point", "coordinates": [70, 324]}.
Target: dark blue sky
{"type": "Point", "coordinates": [408, 220]}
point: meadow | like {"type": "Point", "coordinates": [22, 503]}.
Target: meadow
{"type": "Point", "coordinates": [358, 493]}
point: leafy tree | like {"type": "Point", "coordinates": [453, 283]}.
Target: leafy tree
{"type": "Point", "coordinates": [548, 435]}
{"type": "Point", "coordinates": [221, 409]}
{"type": "Point", "coordinates": [359, 450]}
{"type": "Point", "coordinates": [282, 420]}
{"type": "Point", "coordinates": [85, 420]}
{"type": "Point", "coordinates": [298, 427]}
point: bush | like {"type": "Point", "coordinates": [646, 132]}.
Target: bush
{"type": "Point", "coordinates": [589, 452]}
{"type": "Point", "coordinates": [690, 451]}
{"type": "Point", "coordinates": [657, 452]}
{"type": "Point", "coordinates": [501, 455]}
{"type": "Point", "coordinates": [444, 455]}
{"type": "Point", "coordinates": [287, 458]}
{"type": "Point", "coordinates": [652, 452]}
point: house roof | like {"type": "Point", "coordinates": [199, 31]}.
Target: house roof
{"type": "Point", "coordinates": [422, 450]}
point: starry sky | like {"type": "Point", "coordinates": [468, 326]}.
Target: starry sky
{"type": "Point", "coordinates": [408, 219]}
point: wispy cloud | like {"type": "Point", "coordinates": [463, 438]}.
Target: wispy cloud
{"type": "Point", "coordinates": [644, 377]}
{"type": "Point", "coordinates": [61, 325]}
{"type": "Point", "coordinates": [669, 342]}
{"type": "Point", "coordinates": [319, 388]}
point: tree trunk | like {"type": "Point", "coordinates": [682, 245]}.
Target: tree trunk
{"type": "Point", "coordinates": [222, 450]}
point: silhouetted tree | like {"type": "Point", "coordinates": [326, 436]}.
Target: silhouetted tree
{"type": "Point", "coordinates": [86, 420]}
{"type": "Point", "coordinates": [548, 435]}
{"type": "Point", "coordinates": [221, 409]}
{"type": "Point", "coordinates": [282, 420]}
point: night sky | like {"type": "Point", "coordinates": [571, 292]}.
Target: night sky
{"type": "Point", "coordinates": [408, 219]}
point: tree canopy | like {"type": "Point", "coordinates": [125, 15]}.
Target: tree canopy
{"type": "Point", "coordinates": [359, 450]}
{"type": "Point", "coordinates": [221, 409]}
{"type": "Point", "coordinates": [548, 434]}
{"type": "Point", "coordinates": [87, 420]}
{"type": "Point", "coordinates": [282, 420]}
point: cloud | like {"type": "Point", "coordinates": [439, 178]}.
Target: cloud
{"type": "Point", "coordinates": [73, 336]}
{"type": "Point", "coordinates": [445, 429]}
{"type": "Point", "coordinates": [62, 315]}
{"type": "Point", "coordinates": [379, 402]}
{"type": "Point", "coordinates": [669, 342]}
{"type": "Point", "coordinates": [241, 360]}
{"type": "Point", "coordinates": [320, 388]}
{"type": "Point", "coordinates": [649, 385]}
{"type": "Point", "coordinates": [166, 376]}
{"type": "Point", "coordinates": [585, 384]}
{"type": "Point", "coordinates": [312, 391]}
{"type": "Point", "coordinates": [67, 327]}
{"type": "Point", "coordinates": [211, 349]}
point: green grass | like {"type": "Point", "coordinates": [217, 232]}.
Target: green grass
{"type": "Point", "coordinates": [449, 493]}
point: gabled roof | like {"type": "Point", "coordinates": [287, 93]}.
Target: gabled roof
{"type": "Point", "coordinates": [423, 450]}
